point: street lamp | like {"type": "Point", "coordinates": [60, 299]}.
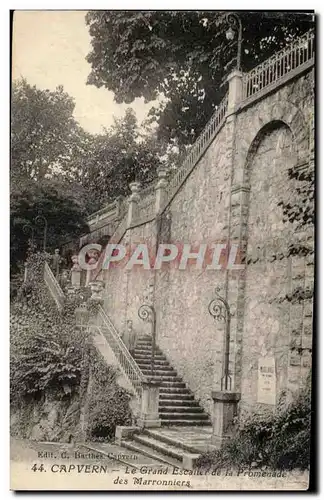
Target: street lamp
{"type": "Point", "coordinates": [235, 25]}
{"type": "Point", "coordinates": [219, 309]}
{"type": "Point", "coordinates": [42, 219]}
{"type": "Point", "coordinates": [29, 228]}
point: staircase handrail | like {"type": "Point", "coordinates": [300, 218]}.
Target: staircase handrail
{"type": "Point", "coordinates": [125, 360]}
{"type": "Point", "coordinates": [53, 286]}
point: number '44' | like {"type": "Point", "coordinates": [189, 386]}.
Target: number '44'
{"type": "Point", "coordinates": [38, 468]}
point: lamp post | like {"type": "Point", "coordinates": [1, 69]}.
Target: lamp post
{"type": "Point", "coordinates": [29, 228]}
{"type": "Point", "coordinates": [42, 219]}
{"type": "Point", "coordinates": [147, 313]}
{"type": "Point", "coordinates": [219, 309]}
{"type": "Point", "coordinates": [234, 23]}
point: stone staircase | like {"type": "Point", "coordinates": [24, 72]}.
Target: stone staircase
{"type": "Point", "coordinates": [177, 405]}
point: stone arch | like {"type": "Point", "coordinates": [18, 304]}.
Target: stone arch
{"type": "Point", "coordinates": [265, 327]}
{"type": "Point", "coordinates": [286, 113]}
{"type": "Point", "coordinates": [265, 130]}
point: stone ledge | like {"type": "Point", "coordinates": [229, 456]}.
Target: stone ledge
{"type": "Point", "coordinates": [226, 396]}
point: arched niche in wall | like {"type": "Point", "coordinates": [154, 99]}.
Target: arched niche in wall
{"type": "Point", "coordinates": [266, 321]}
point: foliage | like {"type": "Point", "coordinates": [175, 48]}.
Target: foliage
{"type": "Point", "coordinates": [301, 210]}
{"type": "Point", "coordinates": [46, 348]}
{"type": "Point", "coordinates": [50, 356]}
{"type": "Point", "coordinates": [277, 441]}
{"type": "Point", "coordinates": [65, 217]}
{"type": "Point", "coordinates": [44, 133]}
{"type": "Point", "coordinates": [118, 157]}
{"type": "Point", "coordinates": [182, 55]}
{"type": "Point", "coordinates": [54, 158]}
{"type": "Point", "coordinates": [109, 403]}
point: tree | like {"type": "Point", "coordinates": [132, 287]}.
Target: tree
{"type": "Point", "coordinates": [65, 217]}
{"type": "Point", "coordinates": [44, 134]}
{"type": "Point", "coordinates": [121, 155]}
{"type": "Point", "coordinates": [183, 55]}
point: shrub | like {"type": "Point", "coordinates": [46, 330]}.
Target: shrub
{"type": "Point", "coordinates": [51, 356]}
{"type": "Point", "coordinates": [280, 441]}
{"type": "Point", "coordinates": [47, 349]}
{"type": "Point", "coordinates": [109, 403]}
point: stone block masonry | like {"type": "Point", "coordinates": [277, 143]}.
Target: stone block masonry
{"type": "Point", "coordinates": [232, 194]}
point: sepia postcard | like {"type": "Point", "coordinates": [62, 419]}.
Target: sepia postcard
{"type": "Point", "coordinates": [162, 250]}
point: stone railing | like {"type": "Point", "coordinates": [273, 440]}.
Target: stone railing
{"type": "Point", "coordinates": [109, 212]}
{"type": "Point", "coordinates": [197, 150]}
{"type": "Point", "coordinates": [53, 286]}
{"type": "Point", "coordinates": [271, 71]}
{"type": "Point", "coordinates": [126, 363]}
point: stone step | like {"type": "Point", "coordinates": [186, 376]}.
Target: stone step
{"type": "Point", "coordinates": [159, 368]}
{"type": "Point", "coordinates": [185, 416]}
{"type": "Point", "coordinates": [173, 384]}
{"type": "Point", "coordinates": [155, 433]}
{"type": "Point", "coordinates": [180, 409]}
{"type": "Point", "coordinates": [190, 403]}
{"type": "Point", "coordinates": [148, 452]}
{"type": "Point", "coordinates": [168, 376]}
{"type": "Point", "coordinates": [146, 357]}
{"type": "Point", "coordinates": [146, 352]}
{"type": "Point", "coordinates": [159, 446]}
{"type": "Point", "coordinates": [185, 423]}
{"type": "Point", "coordinates": [170, 390]}
{"type": "Point", "coordinates": [146, 363]}
{"type": "Point", "coordinates": [146, 347]}
{"type": "Point", "coordinates": [168, 394]}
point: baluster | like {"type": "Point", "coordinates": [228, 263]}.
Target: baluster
{"type": "Point", "coordinates": [254, 82]}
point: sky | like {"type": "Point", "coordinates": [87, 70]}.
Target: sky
{"type": "Point", "coordinates": [49, 49]}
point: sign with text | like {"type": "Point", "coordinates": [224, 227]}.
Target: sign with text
{"type": "Point", "coordinates": [267, 380]}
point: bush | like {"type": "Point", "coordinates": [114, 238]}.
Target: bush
{"type": "Point", "coordinates": [50, 356]}
{"type": "Point", "coordinates": [280, 441]}
{"type": "Point", "coordinates": [109, 403]}
{"type": "Point", "coordinates": [47, 350]}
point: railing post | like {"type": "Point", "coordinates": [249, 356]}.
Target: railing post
{"type": "Point", "coordinates": [160, 189]}
{"type": "Point", "coordinates": [235, 90]}
{"type": "Point", "coordinates": [75, 272]}
{"type": "Point", "coordinates": [133, 202]}
{"type": "Point", "coordinates": [149, 414]}
{"type": "Point", "coordinates": [118, 203]}
{"type": "Point", "coordinates": [97, 288]}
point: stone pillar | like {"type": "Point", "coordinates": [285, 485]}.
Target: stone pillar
{"type": "Point", "coordinates": [224, 411]}
{"type": "Point", "coordinates": [149, 414]}
{"type": "Point", "coordinates": [88, 277]}
{"type": "Point", "coordinates": [75, 272]}
{"type": "Point", "coordinates": [76, 278]}
{"type": "Point", "coordinates": [160, 189]}
{"type": "Point", "coordinates": [118, 204]}
{"type": "Point", "coordinates": [97, 288]}
{"type": "Point", "coordinates": [133, 201]}
{"type": "Point", "coordinates": [82, 315]}
{"type": "Point", "coordinates": [235, 89]}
